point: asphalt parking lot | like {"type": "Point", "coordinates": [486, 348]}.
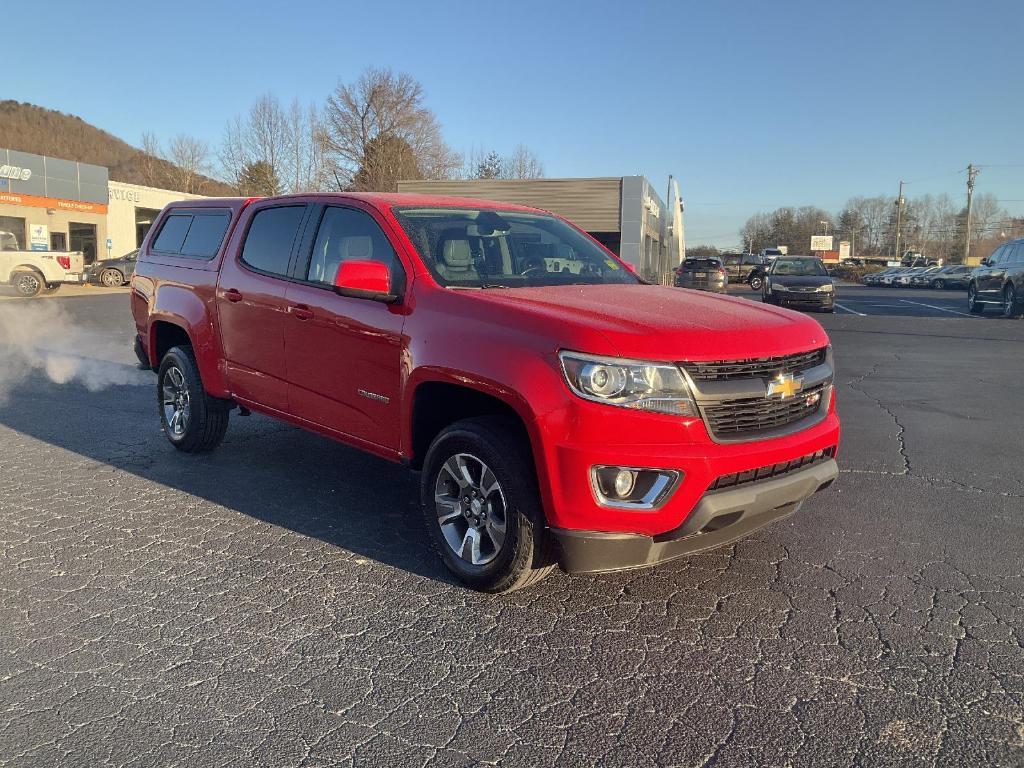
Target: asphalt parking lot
{"type": "Point", "coordinates": [275, 603]}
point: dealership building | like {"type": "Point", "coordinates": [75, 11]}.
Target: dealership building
{"type": "Point", "coordinates": [52, 204]}
{"type": "Point", "coordinates": [624, 213]}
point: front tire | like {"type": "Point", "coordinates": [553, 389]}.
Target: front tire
{"type": "Point", "coordinates": [939, 284]}
{"type": "Point", "coordinates": [1010, 307]}
{"type": "Point", "coordinates": [482, 507]}
{"type": "Point", "coordinates": [193, 421]}
{"type": "Point", "coordinates": [974, 306]}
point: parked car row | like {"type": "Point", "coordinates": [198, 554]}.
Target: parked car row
{"type": "Point", "coordinates": [997, 282]}
{"type": "Point", "coordinates": [953, 276]}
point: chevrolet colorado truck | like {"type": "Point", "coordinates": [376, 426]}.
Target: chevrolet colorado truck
{"type": "Point", "coordinates": [575, 417]}
{"type": "Point", "coordinates": [34, 272]}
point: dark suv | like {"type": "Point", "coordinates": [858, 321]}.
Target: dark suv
{"type": "Point", "coordinates": [702, 274]}
{"type": "Point", "coordinates": [745, 268]}
{"type": "Point", "coordinates": [999, 281]}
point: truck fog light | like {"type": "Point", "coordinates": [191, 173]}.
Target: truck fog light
{"type": "Point", "coordinates": [633, 487]}
{"type": "Point", "coordinates": [624, 480]}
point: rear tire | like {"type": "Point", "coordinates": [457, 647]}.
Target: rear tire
{"type": "Point", "coordinates": [28, 283]}
{"type": "Point", "coordinates": [111, 278]}
{"type": "Point", "coordinates": [1011, 309]}
{"type": "Point", "coordinates": [496, 541]}
{"type": "Point", "coordinates": [974, 306]}
{"type": "Point", "coordinates": [193, 421]}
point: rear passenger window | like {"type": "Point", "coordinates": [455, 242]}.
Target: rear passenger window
{"type": "Point", "coordinates": [205, 235]}
{"type": "Point", "coordinates": [268, 245]}
{"type": "Point", "coordinates": [172, 234]}
{"type": "Point", "coordinates": [196, 234]}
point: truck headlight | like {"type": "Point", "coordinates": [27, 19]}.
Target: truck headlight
{"type": "Point", "coordinates": [642, 386]}
{"type": "Point", "coordinates": [827, 288]}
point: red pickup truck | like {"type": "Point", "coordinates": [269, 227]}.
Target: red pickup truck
{"type": "Point", "coordinates": [559, 410]}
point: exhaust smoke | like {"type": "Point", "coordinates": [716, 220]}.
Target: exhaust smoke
{"type": "Point", "coordinates": [41, 338]}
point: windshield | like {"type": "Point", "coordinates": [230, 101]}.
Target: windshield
{"type": "Point", "coordinates": [799, 267]}
{"type": "Point", "coordinates": [481, 248]}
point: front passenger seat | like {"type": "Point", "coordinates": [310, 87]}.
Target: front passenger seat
{"type": "Point", "coordinates": [457, 261]}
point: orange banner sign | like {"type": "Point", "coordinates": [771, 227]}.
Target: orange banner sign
{"type": "Point", "coordinates": [12, 198]}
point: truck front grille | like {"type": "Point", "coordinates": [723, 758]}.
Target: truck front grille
{"type": "Point", "coordinates": [748, 417]}
{"type": "Point", "coordinates": [772, 470]}
{"type": "Point", "coordinates": [764, 367]}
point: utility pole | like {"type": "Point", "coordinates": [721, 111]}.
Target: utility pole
{"type": "Point", "coordinates": [899, 221]}
{"type": "Point", "coordinates": [972, 173]}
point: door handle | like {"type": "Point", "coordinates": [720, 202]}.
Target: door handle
{"type": "Point", "coordinates": [233, 295]}
{"type": "Point", "coordinates": [300, 312]}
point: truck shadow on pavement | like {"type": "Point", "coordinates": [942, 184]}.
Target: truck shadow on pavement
{"type": "Point", "coordinates": [267, 470]}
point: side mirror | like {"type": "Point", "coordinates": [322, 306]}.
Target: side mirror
{"type": "Point", "coordinates": [986, 262]}
{"type": "Point", "coordinates": [365, 280]}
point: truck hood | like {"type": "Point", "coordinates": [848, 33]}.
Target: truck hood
{"type": "Point", "coordinates": [659, 323]}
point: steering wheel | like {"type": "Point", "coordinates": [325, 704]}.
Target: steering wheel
{"type": "Point", "coordinates": [532, 266]}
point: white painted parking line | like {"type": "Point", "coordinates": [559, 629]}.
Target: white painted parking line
{"type": "Point", "coordinates": [851, 311]}
{"type": "Point", "coordinates": [941, 309]}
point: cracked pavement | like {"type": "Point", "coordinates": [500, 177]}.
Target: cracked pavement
{"type": "Point", "coordinates": [275, 603]}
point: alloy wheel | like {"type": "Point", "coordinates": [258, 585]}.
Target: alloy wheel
{"type": "Point", "coordinates": [176, 405]}
{"type": "Point", "coordinates": [1009, 302]}
{"type": "Point", "coordinates": [111, 278]}
{"type": "Point", "coordinates": [471, 509]}
{"type": "Point", "coordinates": [27, 284]}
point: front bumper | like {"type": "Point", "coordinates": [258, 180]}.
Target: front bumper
{"type": "Point", "coordinates": [804, 299]}
{"type": "Point", "coordinates": [719, 518]}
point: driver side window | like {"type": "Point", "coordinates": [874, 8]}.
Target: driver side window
{"type": "Point", "coordinates": [347, 234]}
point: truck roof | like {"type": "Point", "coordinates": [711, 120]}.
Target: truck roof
{"type": "Point", "coordinates": [378, 199]}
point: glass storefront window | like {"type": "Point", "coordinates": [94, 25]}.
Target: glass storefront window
{"type": "Point", "coordinates": [144, 218]}
{"type": "Point", "coordinates": [12, 233]}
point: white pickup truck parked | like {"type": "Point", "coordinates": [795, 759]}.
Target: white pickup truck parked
{"type": "Point", "coordinates": [35, 272]}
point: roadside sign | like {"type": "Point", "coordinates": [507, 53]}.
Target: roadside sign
{"type": "Point", "coordinates": [110, 243]}
{"type": "Point", "coordinates": [821, 242]}
{"type": "Point", "coordinates": [844, 249]}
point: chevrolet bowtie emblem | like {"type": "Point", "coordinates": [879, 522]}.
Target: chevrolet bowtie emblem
{"type": "Point", "coordinates": [785, 386]}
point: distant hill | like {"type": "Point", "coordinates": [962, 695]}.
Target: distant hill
{"type": "Point", "coordinates": [41, 131]}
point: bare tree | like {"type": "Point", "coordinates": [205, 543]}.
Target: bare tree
{"type": "Point", "coordinates": [484, 163]}
{"type": "Point", "coordinates": [369, 124]}
{"type": "Point", "coordinates": [149, 159]}
{"type": "Point", "coordinates": [190, 158]}
{"type": "Point", "coordinates": [284, 144]}
{"type": "Point", "coordinates": [985, 211]}
{"type": "Point", "coordinates": [523, 164]}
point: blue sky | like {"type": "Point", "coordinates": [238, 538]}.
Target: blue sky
{"type": "Point", "coordinates": [751, 105]}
